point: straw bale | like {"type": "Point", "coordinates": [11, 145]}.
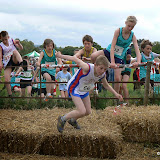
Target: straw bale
{"type": "Point", "coordinates": [139, 124]}
{"type": "Point", "coordinates": [137, 151]}
{"type": "Point", "coordinates": [35, 132]}
{"type": "Point", "coordinates": [130, 151]}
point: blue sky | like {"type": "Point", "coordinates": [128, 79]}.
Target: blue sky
{"type": "Point", "coordinates": [67, 21]}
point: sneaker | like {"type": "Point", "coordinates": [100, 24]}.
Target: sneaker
{"type": "Point", "coordinates": [74, 124]}
{"type": "Point", "coordinates": [60, 124]}
{"type": "Point", "coordinates": [45, 99]}
{"type": "Point", "coordinates": [49, 97]}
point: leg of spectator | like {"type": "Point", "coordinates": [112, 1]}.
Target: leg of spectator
{"type": "Point", "coordinates": [29, 89]}
{"type": "Point", "coordinates": [23, 92]}
{"type": "Point", "coordinates": [62, 94]}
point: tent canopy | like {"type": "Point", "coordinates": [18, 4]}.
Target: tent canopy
{"type": "Point", "coordinates": [33, 54]}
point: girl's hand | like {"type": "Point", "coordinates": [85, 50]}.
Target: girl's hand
{"type": "Point", "coordinates": [113, 65]}
{"type": "Point", "coordinates": [58, 54]}
{"type": "Point", "coordinates": [16, 42]}
{"type": "Point", "coordinates": [135, 64]}
{"type": "Point", "coordinates": [128, 57]}
{"type": "Point", "coordinates": [119, 97]}
{"type": "Point", "coordinates": [16, 75]}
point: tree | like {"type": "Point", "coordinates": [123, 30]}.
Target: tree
{"type": "Point", "coordinates": [97, 46]}
{"type": "Point", "coordinates": [69, 50]}
{"type": "Point", "coordinates": [156, 47]}
{"type": "Point", "coordinates": [28, 46]}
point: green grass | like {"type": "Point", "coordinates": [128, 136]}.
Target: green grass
{"type": "Point", "coordinates": [2, 79]}
{"type": "Point", "coordinates": [98, 103]}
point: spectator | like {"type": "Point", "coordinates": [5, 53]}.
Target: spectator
{"type": "Point", "coordinates": [63, 76]}
{"type": "Point", "coordinates": [15, 86]}
{"type": "Point", "coordinates": [26, 75]}
{"type": "Point", "coordinates": [41, 87]}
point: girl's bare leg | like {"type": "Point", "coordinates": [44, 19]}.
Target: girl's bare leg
{"type": "Point", "coordinates": [117, 78]}
{"type": "Point", "coordinates": [7, 74]}
{"type": "Point", "coordinates": [17, 57]}
{"type": "Point", "coordinates": [82, 108]}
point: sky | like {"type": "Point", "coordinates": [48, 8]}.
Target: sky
{"type": "Point", "coordinates": [67, 21]}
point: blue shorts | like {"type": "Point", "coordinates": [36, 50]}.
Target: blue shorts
{"type": "Point", "coordinates": [117, 60]}
{"type": "Point", "coordinates": [80, 96]}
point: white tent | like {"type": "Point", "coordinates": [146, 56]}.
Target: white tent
{"type": "Point", "coordinates": [33, 54]}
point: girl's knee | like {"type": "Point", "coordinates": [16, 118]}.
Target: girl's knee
{"type": "Point", "coordinates": [82, 112]}
{"type": "Point", "coordinates": [14, 52]}
{"type": "Point", "coordinates": [48, 79]}
{"type": "Point", "coordinates": [124, 85]}
{"type": "Point", "coordinates": [116, 78]}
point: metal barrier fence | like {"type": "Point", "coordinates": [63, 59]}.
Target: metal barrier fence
{"type": "Point", "coordinates": [146, 92]}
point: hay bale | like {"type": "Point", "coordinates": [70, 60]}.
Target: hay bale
{"type": "Point", "coordinates": [13, 156]}
{"type": "Point", "coordinates": [137, 151]}
{"type": "Point", "coordinates": [139, 124]}
{"type": "Point", "coordinates": [130, 151]}
{"type": "Point", "coordinates": [35, 132]}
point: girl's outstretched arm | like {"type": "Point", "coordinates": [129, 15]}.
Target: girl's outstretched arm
{"type": "Point", "coordinates": [78, 61]}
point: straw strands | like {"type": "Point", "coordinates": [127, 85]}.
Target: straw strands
{"type": "Point", "coordinates": [102, 134]}
{"type": "Point", "coordinates": [140, 124]}
{"type": "Point", "coordinates": [34, 132]}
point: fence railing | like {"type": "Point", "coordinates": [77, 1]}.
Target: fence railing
{"type": "Point", "coordinates": [146, 89]}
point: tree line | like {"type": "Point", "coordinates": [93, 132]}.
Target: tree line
{"type": "Point", "coordinates": [29, 46]}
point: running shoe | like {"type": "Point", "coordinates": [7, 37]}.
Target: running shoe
{"type": "Point", "coordinates": [74, 124]}
{"type": "Point", "coordinates": [60, 124]}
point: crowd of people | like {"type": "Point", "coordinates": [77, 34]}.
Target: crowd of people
{"type": "Point", "coordinates": [79, 82]}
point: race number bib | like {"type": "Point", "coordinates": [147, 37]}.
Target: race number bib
{"type": "Point", "coordinates": [86, 87]}
{"type": "Point", "coordinates": [118, 50]}
{"type": "Point", "coordinates": [17, 79]}
{"type": "Point", "coordinates": [50, 63]}
{"type": "Point", "coordinates": [27, 74]}
{"type": "Point", "coordinates": [6, 58]}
